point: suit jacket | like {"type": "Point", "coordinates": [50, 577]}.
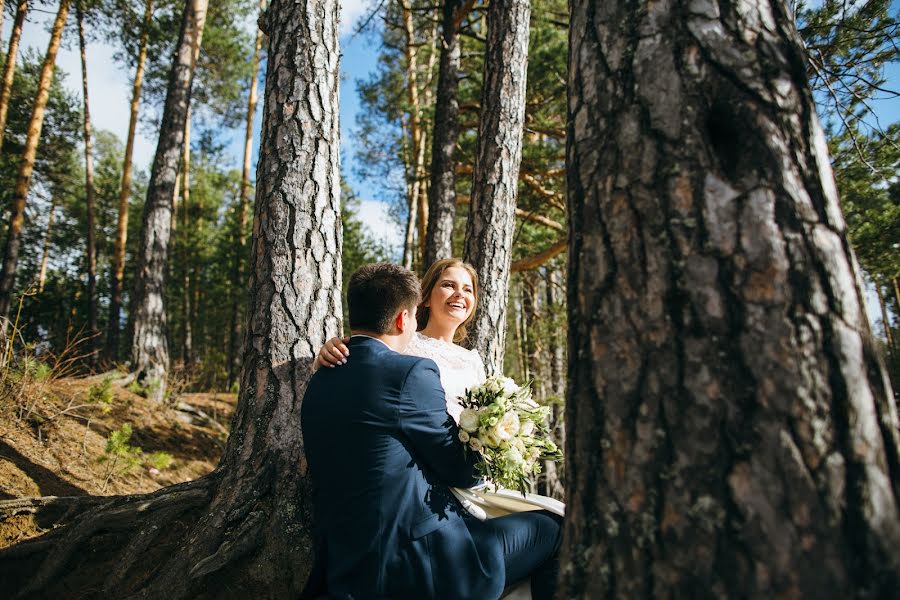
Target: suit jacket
{"type": "Point", "coordinates": [382, 451]}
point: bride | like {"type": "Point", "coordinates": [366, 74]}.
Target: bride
{"type": "Point", "coordinates": [449, 300]}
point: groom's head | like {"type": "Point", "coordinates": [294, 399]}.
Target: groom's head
{"type": "Point", "coordinates": [382, 300]}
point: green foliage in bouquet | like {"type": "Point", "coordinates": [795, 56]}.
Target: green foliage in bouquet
{"type": "Point", "coordinates": [501, 422]}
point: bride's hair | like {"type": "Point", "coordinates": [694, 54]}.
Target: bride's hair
{"type": "Point", "coordinates": [430, 279]}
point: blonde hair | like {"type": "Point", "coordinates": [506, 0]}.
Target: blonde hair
{"type": "Point", "coordinates": [430, 279]}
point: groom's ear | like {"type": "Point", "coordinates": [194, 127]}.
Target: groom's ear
{"type": "Point", "coordinates": [398, 320]}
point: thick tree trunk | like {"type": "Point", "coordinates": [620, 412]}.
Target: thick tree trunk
{"type": "Point", "coordinates": [245, 527]}
{"type": "Point", "coordinates": [240, 256]}
{"type": "Point", "coordinates": [118, 272]}
{"type": "Point", "coordinates": [731, 430]}
{"type": "Point", "coordinates": [491, 223]}
{"type": "Point", "coordinates": [90, 198]}
{"type": "Point", "coordinates": [26, 166]}
{"type": "Point", "coordinates": [45, 253]}
{"type": "Point", "coordinates": [445, 133]}
{"type": "Point", "coordinates": [9, 69]}
{"type": "Point", "coordinates": [149, 347]}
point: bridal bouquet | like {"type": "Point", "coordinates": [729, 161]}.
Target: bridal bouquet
{"type": "Point", "coordinates": [508, 429]}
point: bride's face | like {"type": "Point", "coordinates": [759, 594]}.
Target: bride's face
{"type": "Point", "coordinates": [453, 297]}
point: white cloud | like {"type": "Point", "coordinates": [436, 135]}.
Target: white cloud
{"type": "Point", "coordinates": [351, 11]}
{"type": "Point", "coordinates": [380, 225]}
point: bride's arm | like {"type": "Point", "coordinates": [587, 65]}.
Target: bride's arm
{"type": "Point", "coordinates": [332, 354]}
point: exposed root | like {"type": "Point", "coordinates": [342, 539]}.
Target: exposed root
{"type": "Point", "coordinates": [145, 514]}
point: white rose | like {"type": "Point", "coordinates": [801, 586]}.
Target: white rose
{"type": "Point", "coordinates": [490, 440]}
{"type": "Point", "coordinates": [519, 445]}
{"type": "Point", "coordinates": [468, 420]}
{"type": "Point", "coordinates": [507, 426]}
{"type": "Point", "coordinates": [509, 386]}
{"type": "Point", "coordinates": [475, 444]}
{"type": "Point", "coordinates": [527, 427]}
{"type": "Point", "coordinates": [513, 457]}
{"type": "Point", "coordinates": [534, 453]}
{"type": "Point", "coordinates": [463, 436]}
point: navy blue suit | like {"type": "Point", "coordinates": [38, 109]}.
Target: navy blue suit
{"type": "Point", "coordinates": [382, 451]}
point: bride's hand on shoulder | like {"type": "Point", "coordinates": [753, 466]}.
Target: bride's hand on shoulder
{"type": "Point", "coordinates": [333, 353]}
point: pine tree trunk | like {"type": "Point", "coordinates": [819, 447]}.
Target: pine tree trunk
{"type": "Point", "coordinates": [26, 166]}
{"type": "Point", "coordinates": [240, 255]}
{"type": "Point", "coordinates": [731, 429]}
{"type": "Point", "coordinates": [554, 472]}
{"type": "Point", "coordinates": [9, 69]}
{"type": "Point", "coordinates": [149, 349]}
{"type": "Point", "coordinates": [416, 130]}
{"type": "Point", "coordinates": [90, 196]}
{"type": "Point", "coordinates": [244, 530]}
{"type": "Point", "coordinates": [187, 341]}
{"type": "Point", "coordinates": [492, 212]}
{"type": "Point", "coordinates": [885, 321]}
{"type": "Point", "coordinates": [445, 133]}
{"type": "Point", "coordinates": [118, 272]}
{"type": "Point", "coordinates": [409, 247]}
{"type": "Point", "coordinates": [45, 253]}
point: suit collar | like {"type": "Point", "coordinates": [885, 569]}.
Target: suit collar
{"type": "Point", "coordinates": [369, 343]}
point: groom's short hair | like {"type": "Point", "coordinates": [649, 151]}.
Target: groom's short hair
{"type": "Point", "coordinates": [377, 292]}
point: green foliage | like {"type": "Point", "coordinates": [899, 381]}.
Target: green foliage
{"type": "Point", "coordinates": [120, 456]}
{"type": "Point", "coordinates": [101, 394]}
{"type": "Point", "coordinates": [159, 460]}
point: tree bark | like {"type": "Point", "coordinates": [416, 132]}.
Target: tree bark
{"type": "Point", "coordinates": [445, 133]}
{"type": "Point", "coordinates": [118, 273]}
{"type": "Point", "coordinates": [9, 69]}
{"type": "Point", "coordinates": [731, 429]}
{"type": "Point", "coordinates": [246, 526]}
{"type": "Point", "coordinates": [26, 166]}
{"type": "Point", "coordinates": [90, 198]}
{"type": "Point", "coordinates": [489, 231]}
{"type": "Point", "coordinates": [409, 246]}
{"type": "Point", "coordinates": [149, 349]}
{"type": "Point", "coordinates": [240, 257]}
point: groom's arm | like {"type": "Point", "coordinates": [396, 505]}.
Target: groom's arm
{"type": "Point", "coordinates": [432, 432]}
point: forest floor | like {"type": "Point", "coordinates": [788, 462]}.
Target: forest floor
{"type": "Point", "coordinates": [68, 437]}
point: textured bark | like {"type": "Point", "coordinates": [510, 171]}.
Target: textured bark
{"type": "Point", "coordinates": [26, 166]}
{"type": "Point", "coordinates": [9, 69]}
{"type": "Point", "coordinates": [409, 247]}
{"type": "Point", "coordinates": [91, 251]}
{"type": "Point", "coordinates": [731, 431]}
{"type": "Point", "coordinates": [489, 231]}
{"type": "Point", "coordinates": [240, 256]}
{"type": "Point", "coordinates": [445, 134]}
{"type": "Point", "coordinates": [149, 347]}
{"type": "Point", "coordinates": [118, 272]}
{"type": "Point", "coordinates": [244, 530]}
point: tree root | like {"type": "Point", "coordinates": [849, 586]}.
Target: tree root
{"type": "Point", "coordinates": [146, 515]}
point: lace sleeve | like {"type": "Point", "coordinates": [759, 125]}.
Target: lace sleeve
{"type": "Point", "coordinates": [478, 366]}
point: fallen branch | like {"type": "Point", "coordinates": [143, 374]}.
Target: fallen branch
{"type": "Point", "coordinates": [524, 215]}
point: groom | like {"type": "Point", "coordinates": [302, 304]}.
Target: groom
{"type": "Point", "coordinates": [382, 454]}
